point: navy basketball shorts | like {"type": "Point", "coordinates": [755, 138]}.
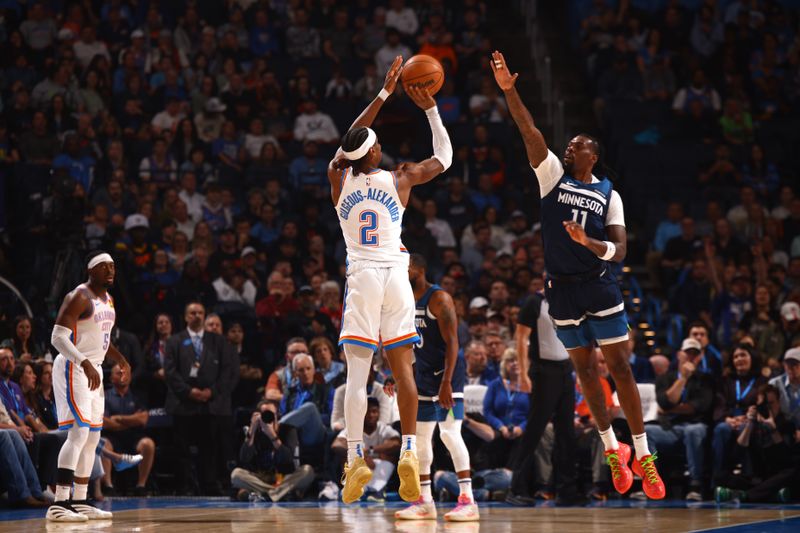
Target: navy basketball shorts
{"type": "Point", "coordinates": [585, 312]}
{"type": "Point", "coordinates": [431, 411]}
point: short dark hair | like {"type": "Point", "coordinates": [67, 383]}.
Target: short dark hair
{"type": "Point", "coordinates": [373, 402]}
{"type": "Point", "coordinates": [419, 261]}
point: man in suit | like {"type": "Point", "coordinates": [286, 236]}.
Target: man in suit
{"type": "Point", "coordinates": [201, 370]}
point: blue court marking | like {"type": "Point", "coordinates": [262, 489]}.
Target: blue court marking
{"type": "Point", "coordinates": [126, 504]}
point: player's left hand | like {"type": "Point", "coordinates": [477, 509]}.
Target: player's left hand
{"type": "Point", "coordinates": [420, 96]}
{"type": "Point", "coordinates": [446, 395]}
{"type": "Point", "coordinates": [576, 232]}
{"type": "Point", "coordinates": [393, 75]}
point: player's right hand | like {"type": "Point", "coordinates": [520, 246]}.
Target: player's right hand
{"type": "Point", "coordinates": [420, 96]}
{"type": "Point", "coordinates": [91, 374]}
{"type": "Point", "coordinates": [393, 75]}
{"type": "Point", "coordinates": [525, 384]}
{"type": "Point", "coordinates": [502, 75]}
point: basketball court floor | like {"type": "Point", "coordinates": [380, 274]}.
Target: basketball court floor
{"type": "Point", "coordinates": [194, 515]}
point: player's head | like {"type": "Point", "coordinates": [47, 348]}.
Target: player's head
{"type": "Point", "coordinates": [361, 148]}
{"type": "Point", "coordinates": [581, 155]}
{"type": "Point", "coordinates": [101, 269]}
{"type": "Point", "coordinates": [416, 269]}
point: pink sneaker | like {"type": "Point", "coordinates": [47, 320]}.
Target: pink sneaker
{"type": "Point", "coordinates": [419, 510]}
{"type": "Point", "coordinates": [465, 511]}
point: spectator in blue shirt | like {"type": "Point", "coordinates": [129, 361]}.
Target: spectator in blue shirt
{"type": "Point", "coordinates": [669, 228]}
{"type": "Point", "coordinates": [308, 173]}
{"type": "Point", "coordinates": [81, 167]}
{"type": "Point", "coordinates": [263, 37]}
{"type": "Point", "coordinates": [308, 404]}
{"type": "Point", "coordinates": [506, 407]}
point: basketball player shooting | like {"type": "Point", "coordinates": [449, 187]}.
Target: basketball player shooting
{"type": "Point", "coordinates": [379, 302]}
{"type": "Point", "coordinates": [82, 336]}
{"type": "Point", "coordinates": [583, 228]}
{"type": "Point", "coordinates": [441, 374]}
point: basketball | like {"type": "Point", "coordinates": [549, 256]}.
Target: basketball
{"type": "Point", "coordinates": [425, 71]}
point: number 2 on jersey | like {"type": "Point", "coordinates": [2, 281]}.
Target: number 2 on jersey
{"type": "Point", "coordinates": [369, 228]}
{"type": "Point", "coordinates": [576, 214]}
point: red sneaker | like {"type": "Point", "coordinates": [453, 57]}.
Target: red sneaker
{"type": "Point", "coordinates": [652, 485]}
{"type": "Point", "coordinates": [618, 462]}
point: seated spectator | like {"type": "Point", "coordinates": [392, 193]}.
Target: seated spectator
{"type": "Point", "coordinates": [124, 421]}
{"type": "Point", "coordinates": [769, 440]}
{"type": "Point", "coordinates": [281, 378]}
{"type": "Point", "coordinates": [233, 288]}
{"type": "Point", "coordinates": [641, 366]}
{"type": "Point", "coordinates": [309, 321]}
{"type": "Point", "coordinates": [685, 397]}
{"type": "Point", "coordinates": [476, 357]}
{"type": "Point", "coordinates": [739, 391]}
{"type": "Point", "coordinates": [16, 469]}
{"type": "Point", "coordinates": [381, 449]}
{"type": "Point", "coordinates": [788, 385]}
{"type": "Point", "coordinates": [392, 48]}
{"type": "Point", "coordinates": [505, 406]}
{"type": "Point", "coordinates": [44, 403]}
{"type": "Point", "coordinates": [159, 167]}
{"type": "Point", "coordinates": [23, 344]}
{"type": "Point", "coordinates": [266, 467]}
{"type": "Point", "coordinates": [307, 405]}
{"type": "Point", "coordinates": [315, 125]}
{"type": "Point", "coordinates": [333, 372]}
{"type": "Point", "coordinates": [375, 390]}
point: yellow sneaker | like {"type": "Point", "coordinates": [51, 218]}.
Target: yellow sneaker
{"type": "Point", "coordinates": [408, 471]}
{"type": "Point", "coordinates": [356, 476]}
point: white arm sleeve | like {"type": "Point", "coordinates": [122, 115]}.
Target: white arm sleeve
{"type": "Point", "coordinates": [548, 173]}
{"type": "Point", "coordinates": [61, 341]}
{"type": "Point", "coordinates": [442, 149]}
{"type": "Point", "coordinates": [615, 215]}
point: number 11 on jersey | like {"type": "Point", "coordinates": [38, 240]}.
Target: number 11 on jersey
{"type": "Point", "coordinates": [578, 214]}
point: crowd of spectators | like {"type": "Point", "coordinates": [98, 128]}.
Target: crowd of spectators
{"type": "Point", "coordinates": [191, 140]}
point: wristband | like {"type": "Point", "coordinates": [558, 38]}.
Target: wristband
{"type": "Point", "coordinates": [610, 251]}
{"type": "Point", "coordinates": [384, 94]}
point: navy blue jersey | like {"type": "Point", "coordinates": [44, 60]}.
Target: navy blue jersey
{"type": "Point", "coordinates": [430, 350]}
{"type": "Point", "coordinates": [585, 203]}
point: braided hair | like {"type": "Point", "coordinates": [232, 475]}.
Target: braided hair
{"type": "Point", "coordinates": [354, 138]}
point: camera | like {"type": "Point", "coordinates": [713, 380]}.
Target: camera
{"type": "Point", "coordinates": [268, 417]}
{"type": "Point", "coordinates": [763, 409]}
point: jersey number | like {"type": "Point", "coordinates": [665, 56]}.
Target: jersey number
{"type": "Point", "coordinates": [106, 338]}
{"type": "Point", "coordinates": [578, 214]}
{"type": "Point", "coordinates": [369, 228]}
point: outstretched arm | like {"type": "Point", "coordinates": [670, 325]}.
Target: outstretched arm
{"type": "Point", "coordinates": [339, 163]}
{"type": "Point", "coordinates": [410, 174]}
{"type": "Point", "coordinates": [535, 145]}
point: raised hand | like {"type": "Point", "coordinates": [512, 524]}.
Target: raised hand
{"type": "Point", "coordinates": [576, 232]}
{"type": "Point", "coordinates": [393, 75]}
{"type": "Point", "coordinates": [502, 75]}
{"type": "Point", "coordinates": [420, 96]}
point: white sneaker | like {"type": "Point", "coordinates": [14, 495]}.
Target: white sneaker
{"type": "Point", "coordinates": [694, 496]}
{"type": "Point", "coordinates": [419, 510]}
{"type": "Point", "coordinates": [465, 511]}
{"type": "Point", "coordinates": [64, 512]}
{"type": "Point", "coordinates": [330, 492]}
{"type": "Point", "coordinates": [91, 512]}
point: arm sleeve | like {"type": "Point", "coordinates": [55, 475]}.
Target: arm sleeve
{"type": "Point", "coordinates": [548, 173]}
{"type": "Point", "coordinates": [61, 341]}
{"type": "Point", "coordinates": [442, 149]}
{"type": "Point", "coordinates": [616, 214]}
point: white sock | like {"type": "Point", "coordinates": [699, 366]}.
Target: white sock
{"type": "Point", "coordinates": [640, 445]}
{"type": "Point", "coordinates": [465, 486]}
{"type": "Point", "coordinates": [425, 491]}
{"type": "Point", "coordinates": [609, 439]}
{"type": "Point", "coordinates": [63, 492]}
{"type": "Point", "coordinates": [409, 443]}
{"type": "Point", "coordinates": [355, 448]}
{"type": "Point", "coordinates": [79, 493]}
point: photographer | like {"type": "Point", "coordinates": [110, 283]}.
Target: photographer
{"type": "Point", "coordinates": [266, 466]}
{"type": "Point", "coordinates": [767, 440]}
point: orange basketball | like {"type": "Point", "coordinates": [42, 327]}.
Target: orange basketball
{"type": "Point", "coordinates": [423, 70]}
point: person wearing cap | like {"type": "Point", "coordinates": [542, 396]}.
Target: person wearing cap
{"type": "Point", "coordinates": [308, 321]}
{"type": "Point", "coordinates": [788, 384]}
{"type": "Point", "coordinates": [685, 397]}
{"type": "Point", "coordinates": [478, 306]}
{"type": "Point", "coordinates": [209, 121]}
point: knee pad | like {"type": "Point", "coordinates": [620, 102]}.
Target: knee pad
{"type": "Point", "coordinates": [450, 431]}
{"type": "Point", "coordinates": [425, 446]}
{"type": "Point", "coordinates": [71, 450]}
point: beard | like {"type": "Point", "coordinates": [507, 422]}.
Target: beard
{"type": "Point", "coordinates": [569, 167]}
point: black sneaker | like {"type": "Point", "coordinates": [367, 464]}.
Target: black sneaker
{"type": "Point", "coordinates": [520, 500]}
{"type": "Point", "coordinates": [64, 512]}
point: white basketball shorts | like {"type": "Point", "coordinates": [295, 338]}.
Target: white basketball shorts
{"type": "Point", "coordinates": [378, 308]}
{"type": "Point", "coordinates": [75, 403]}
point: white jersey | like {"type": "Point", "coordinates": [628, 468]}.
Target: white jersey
{"type": "Point", "coordinates": [92, 335]}
{"type": "Point", "coordinates": [371, 216]}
